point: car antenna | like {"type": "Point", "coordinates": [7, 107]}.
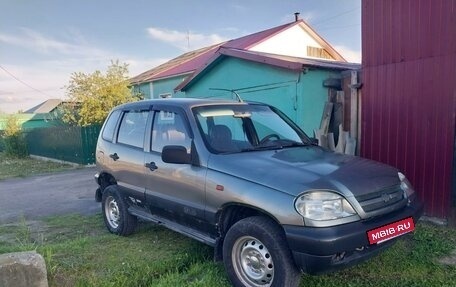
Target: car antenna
{"type": "Point", "coordinates": [228, 90]}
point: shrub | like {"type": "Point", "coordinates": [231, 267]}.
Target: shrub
{"type": "Point", "coordinates": [2, 142]}
{"type": "Point", "coordinates": [13, 139]}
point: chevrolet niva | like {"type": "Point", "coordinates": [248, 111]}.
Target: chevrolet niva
{"type": "Point", "coordinates": [245, 179]}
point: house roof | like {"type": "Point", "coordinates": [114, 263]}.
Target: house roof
{"type": "Point", "coordinates": [248, 41]}
{"type": "Point", "coordinates": [192, 56]}
{"type": "Point", "coordinates": [45, 107]}
{"type": "Point", "coordinates": [189, 62]}
{"type": "Point", "coordinates": [281, 61]}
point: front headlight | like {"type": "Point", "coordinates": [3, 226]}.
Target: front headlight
{"type": "Point", "coordinates": [406, 186]}
{"type": "Point", "coordinates": [323, 205]}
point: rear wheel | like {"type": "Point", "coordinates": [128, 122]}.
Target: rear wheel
{"type": "Point", "coordinates": [115, 212]}
{"type": "Point", "coordinates": [255, 254]}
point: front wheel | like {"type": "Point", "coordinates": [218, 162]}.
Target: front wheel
{"type": "Point", "coordinates": [115, 212]}
{"type": "Point", "coordinates": [255, 254]}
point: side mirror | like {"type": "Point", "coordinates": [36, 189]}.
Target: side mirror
{"type": "Point", "coordinates": [176, 154]}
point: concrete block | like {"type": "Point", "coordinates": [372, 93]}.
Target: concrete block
{"type": "Point", "coordinates": [23, 269]}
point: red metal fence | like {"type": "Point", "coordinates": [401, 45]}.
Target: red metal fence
{"type": "Point", "coordinates": [409, 91]}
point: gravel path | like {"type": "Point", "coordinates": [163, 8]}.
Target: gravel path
{"type": "Point", "coordinates": [55, 194]}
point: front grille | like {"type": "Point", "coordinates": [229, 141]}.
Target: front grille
{"type": "Point", "coordinates": [381, 199]}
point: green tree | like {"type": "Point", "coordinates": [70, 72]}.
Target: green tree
{"type": "Point", "coordinates": [14, 141]}
{"type": "Point", "coordinates": [93, 95]}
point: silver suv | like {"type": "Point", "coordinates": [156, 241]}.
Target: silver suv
{"type": "Point", "coordinates": [246, 180]}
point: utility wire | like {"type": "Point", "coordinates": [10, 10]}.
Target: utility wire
{"type": "Point", "coordinates": [339, 27]}
{"type": "Point", "coordinates": [22, 82]}
{"type": "Point", "coordinates": [335, 16]}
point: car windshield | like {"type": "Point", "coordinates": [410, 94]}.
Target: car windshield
{"type": "Point", "coordinates": [243, 128]}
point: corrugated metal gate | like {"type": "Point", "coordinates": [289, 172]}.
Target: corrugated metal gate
{"type": "Point", "coordinates": [409, 92]}
{"type": "Point", "coordinates": [72, 144]}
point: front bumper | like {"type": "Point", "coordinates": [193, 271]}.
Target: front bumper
{"type": "Point", "coordinates": [323, 249]}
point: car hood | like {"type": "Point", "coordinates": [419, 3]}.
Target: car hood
{"type": "Point", "coordinates": [295, 170]}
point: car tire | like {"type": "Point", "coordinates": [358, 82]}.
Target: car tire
{"type": "Point", "coordinates": [255, 253]}
{"type": "Point", "coordinates": [115, 212]}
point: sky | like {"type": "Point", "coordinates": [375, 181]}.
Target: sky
{"type": "Point", "coordinates": [43, 42]}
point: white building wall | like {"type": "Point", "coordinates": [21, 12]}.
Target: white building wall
{"type": "Point", "coordinates": [292, 42]}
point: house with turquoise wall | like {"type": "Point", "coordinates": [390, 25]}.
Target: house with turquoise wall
{"type": "Point", "coordinates": [26, 121]}
{"type": "Point", "coordinates": [295, 39]}
{"type": "Point", "coordinates": [293, 85]}
{"type": "Point", "coordinates": [284, 66]}
{"type": "Point", "coordinates": [46, 114]}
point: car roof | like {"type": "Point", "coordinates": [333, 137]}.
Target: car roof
{"type": "Point", "coordinates": [187, 103]}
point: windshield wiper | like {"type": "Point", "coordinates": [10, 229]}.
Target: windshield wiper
{"type": "Point", "coordinates": [258, 148]}
{"type": "Point", "coordinates": [297, 144]}
{"type": "Point", "coordinates": [279, 144]}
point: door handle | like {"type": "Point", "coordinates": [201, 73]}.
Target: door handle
{"type": "Point", "coordinates": [151, 165]}
{"type": "Point", "coordinates": [114, 156]}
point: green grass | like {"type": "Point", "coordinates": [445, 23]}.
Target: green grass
{"type": "Point", "coordinates": [22, 167]}
{"type": "Point", "coordinates": [79, 251]}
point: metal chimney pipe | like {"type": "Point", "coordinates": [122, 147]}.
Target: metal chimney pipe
{"type": "Point", "coordinates": [296, 16]}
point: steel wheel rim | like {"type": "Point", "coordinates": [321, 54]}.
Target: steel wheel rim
{"type": "Point", "coordinates": [112, 212]}
{"type": "Point", "coordinates": [252, 262]}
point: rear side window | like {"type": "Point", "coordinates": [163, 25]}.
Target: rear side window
{"type": "Point", "coordinates": [108, 131]}
{"type": "Point", "coordinates": [132, 128]}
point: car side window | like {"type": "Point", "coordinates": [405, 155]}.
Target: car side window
{"type": "Point", "coordinates": [108, 131]}
{"type": "Point", "coordinates": [169, 129]}
{"type": "Point", "coordinates": [132, 128]}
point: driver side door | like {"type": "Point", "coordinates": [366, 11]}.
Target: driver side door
{"type": "Point", "coordinates": [174, 191]}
